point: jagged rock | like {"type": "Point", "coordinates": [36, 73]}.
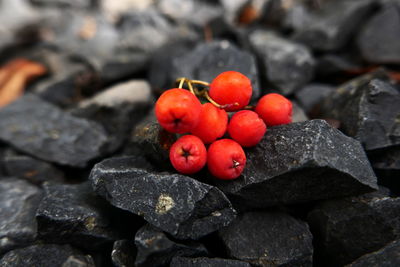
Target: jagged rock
{"type": "Point", "coordinates": [346, 229]}
{"type": "Point", "coordinates": [153, 141]}
{"type": "Point", "coordinates": [156, 249]}
{"type": "Point", "coordinates": [298, 114]}
{"type": "Point", "coordinates": [161, 74]}
{"type": "Point", "coordinates": [379, 40]}
{"type": "Point", "coordinates": [269, 239]}
{"type": "Point", "coordinates": [208, 60]}
{"type": "Point", "coordinates": [46, 255]}
{"type": "Point", "coordinates": [300, 162]}
{"type": "Point", "coordinates": [70, 78]}
{"type": "Point", "coordinates": [368, 110]}
{"type": "Point", "coordinates": [18, 203]}
{"type": "Point", "coordinates": [44, 131]}
{"type": "Point", "coordinates": [118, 109]}
{"type": "Point", "coordinates": [385, 257]}
{"type": "Point", "coordinates": [206, 262]}
{"type": "Point", "coordinates": [337, 64]}
{"type": "Point", "coordinates": [31, 169]}
{"type": "Point", "coordinates": [74, 214]}
{"type": "Point", "coordinates": [177, 204]}
{"type": "Point", "coordinates": [312, 94]}
{"type": "Point", "coordinates": [331, 27]}
{"type": "Point", "coordinates": [123, 253]}
{"type": "Point", "coordinates": [286, 65]}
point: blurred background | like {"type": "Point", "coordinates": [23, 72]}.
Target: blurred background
{"type": "Point", "coordinates": [65, 51]}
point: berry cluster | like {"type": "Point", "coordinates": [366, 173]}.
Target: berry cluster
{"type": "Point", "coordinates": [180, 111]}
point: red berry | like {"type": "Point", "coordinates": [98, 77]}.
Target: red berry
{"type": "Point", "coordinates": [188, 154]}
{"type": "Point", "coordinates": [246, 128]}
{"type": "Point", "coordinates": [226, 159]}
{"type": "Point", "coordinates": [231, 87]}
{"type": "Point", "coordinates": [274, 109]}
{"type": "Point", "coordinates": [178, 110]}
{"type": "Point", "coordinates": [212, 123]}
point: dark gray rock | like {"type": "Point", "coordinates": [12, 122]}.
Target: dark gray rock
{"type": "Point", "coordinates": [389, 256]}
{"type": "Point", "coordinates": [177, 204]}
{"type": "Point", "coordinates": [286, 65]}
{"type": "Point", "coordinates": [153, 141]}
{"type": "Point", "coordinates": [18, 203]}
{"type": "Point", "coordinates": [156, 249]}
{"type": "Point", "coordinates": [74, 214]}
{"type": "Point", "coordinates": [44, 131]}
{"type": "Point", "coordinates": [300, 162]}
{"type": "Point", "coordinates": [31, 169]}
{"type": "Point", "coordinates": [232, 9]}
{"type": "Point", "coordinates": [312, 94]}
{"type": "Point", "coordinates": [208, 60]}
{"type": "Point", "coordinates": [337, 64]}
{"type": "Point", "coordinates": [161, 74]}
{"type": "Point", "coordinates": [331, 27]}
{"type": "Point", "coordinates": [123, 253]}
{"type": "Point", "coordinates": [368, 110]}
{"type": "Point", "coordinates": [346, 229]}
{"type": "Point", "coordinates": [386, 160]}
{"type": "Point", "coordinates": [269, 239]}
{"type": "Point", "coordinates": [298, 114]}
{"type": "Point", "coordinates": [117, 109]}
{"type": "Point", "coordinates": [379, 40]}
{"type": "Point", "coordinates": [46, 255]}
{"type": "Point", "coordinates": [206, 262]}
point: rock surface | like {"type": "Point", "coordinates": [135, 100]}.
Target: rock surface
{"type": "Point", "coordinates": [346, 229]}
{"type": "Point", "coordinates": [117, 109]}
{"type": "Point", "coordinates": [331, 27]}
{"type": "Point", "coordinates": [156, 249]}
{"type": "Point", "coordinates": [301, 162]}
{"type": "Point", "coordinates": [74, 214]}
{"type": "Point", "coordinates": [44, 131]}
{"type": "Point", "coordinates": [385, 257]}
{"type": "Point", "coordinates": [269, 239]}
{"type": "Point", "coordinates": [31, 169]}
{"type": "Point", "coordinates": [286, 65]}
{"type": "Point", "coordinates": [206, 262]}
{"type": "Point", "coordinates": [46, 255]}
{"type": "Point", "coordinates": [379, 40]}
{"type": "Point", "coordinates": [123, 253]}
{"type": "Point", "coordinates": [18, 203]}
{"type": "Point", "coordinates": [312, 94]}
{"type": "Point", "coordinates": [177, 204]}
{"type": "Point", "coordinates": [207, 61]}
{"type": "Point", "coordinates": [368, 110]}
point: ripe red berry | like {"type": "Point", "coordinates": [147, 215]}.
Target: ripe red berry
{"type": "Point", "coordinates": [274, 109]}
{"type": "Point", "coordinates": [212, 123]}
{"type": "Point", "coordinates": [226, 159]}
{"type": "Point", "coordinates": [231, 87]}
{"type": "Point", "coordinates": [246, 128]}
{"type": "Point", "coordinates": [188, 154]}
{"type": "Point", "coordinates": [178, 110]}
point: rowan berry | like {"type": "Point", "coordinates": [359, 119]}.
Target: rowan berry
{"type": "Point", "coordinates": [178, 110]}
{"type": "Point", "coordinates": [188, 154]}
{"type": "Point", "coordinates": [246, 128]}
{"type": "Point", "coordinates": [226, 159]}
{"type": "Point", "coordinates": [231, 87]}
{"type": "Point", "coordinates": [274, 109]}
{"type": "Point", "coordinates": [212, 123]}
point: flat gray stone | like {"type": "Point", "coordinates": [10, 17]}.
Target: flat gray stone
{"type": "Point", "coordinates": [269, 239]}
{"type": "Point", "coordinates": [154, 248]}
{"type": "Point", "coordinates": [44, 131]}
{"type": "Point", "coordinates": [346, 229]}
{"type": "Point", "coordinates": [286, 65]}
{"type": "Point", "coordinates": [177, 204]}
{"type": "Point", "coordinates": [301, 162]}
{"type": "Point", "coordinates": [74, 214]}
{"type": "Point", "coordinates": [18, 203]}
{"type": "Point", "coordinates": [46, 255]}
